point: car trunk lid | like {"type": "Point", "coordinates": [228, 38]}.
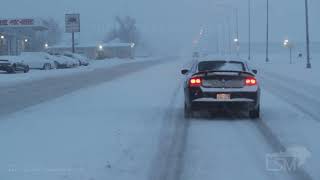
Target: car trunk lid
{"type": "Point", "coordinates": [223, 80]}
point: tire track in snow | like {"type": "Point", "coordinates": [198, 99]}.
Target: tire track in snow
{"type": "Point", "coordinates": [277, 146]}
{"type": "Point", "coordinates": [168, 161]}
{"type": "Point", "coordinates": [275, 143]}
{"type": "Point", "coordinates": [304, 103]}
{"type": "Point", "coordinates": [295, 99]}
{"type": "Point", "coordinates": [271, 139]}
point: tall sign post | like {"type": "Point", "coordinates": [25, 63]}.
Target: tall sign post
{"type": "Point", "coordinates": [307, 35]}
{"type": "Point", "coordinates": [267, 41]}
{"type": "Point", "coordinates": [249, 31]}
{"type": "Point", "coordinates": [72, 26]}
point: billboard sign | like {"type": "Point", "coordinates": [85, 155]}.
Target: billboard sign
{"type": "Point", "coordinates": [16, 22]}
{"type": "Point", "coordinates": [72, 23]}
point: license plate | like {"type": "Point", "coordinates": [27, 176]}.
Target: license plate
{"type": "Point", "coordinates": [223, 97]}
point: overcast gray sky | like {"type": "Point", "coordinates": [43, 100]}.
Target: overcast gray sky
{"type": "Point", "coordinates": [172, 22]}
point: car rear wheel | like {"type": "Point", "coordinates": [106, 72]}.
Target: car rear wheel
{"type": "Point", "coordinates": [56, 64]}
{"type": "Point", "coordinates": [12, 70]}
{"type": "Point", "coordinates": [255, 114]}
{"type": "Point", "coordinates": [27, 68]}
{"type": "Point", "coordinates": [47, 66]}
{"type": "Point", "coordinates": [188, 113]}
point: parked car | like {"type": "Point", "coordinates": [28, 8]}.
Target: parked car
{"type": "Point", "coordinates": [12, 64]}
{"type": "Point", "coordinates": [74, 61]}
{"type": "Point", "coordinates": [62, 62]}
{"type": "Point", "coordinates": [38, 60]}
{"type": "Point", "coordinates": [83, 61]}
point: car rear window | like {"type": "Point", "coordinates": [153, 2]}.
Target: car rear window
{"type": "Point", "coordinates": [221, 66]}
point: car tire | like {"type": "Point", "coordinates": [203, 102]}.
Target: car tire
{"type": "Point", "coordinates": [56, 64]}
{"type": "Point", "coordinates": [188, 113]}
{"type": "Point", "coordinates": [255, 114]}
{"type": "Point", "coordinates": [12, 70]}
{"type": "Point", "coordinates": [47, 66]}
{"type": "Point", "coordinates": [27, 69]}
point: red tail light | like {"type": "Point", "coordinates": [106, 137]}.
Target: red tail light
{"type": "Point", "coordinates": [195, 82]}
{"type": "Point", "coordinates": [251, 81]}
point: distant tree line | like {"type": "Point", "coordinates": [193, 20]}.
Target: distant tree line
{"type": "Point", "coordinates": [125, 30]}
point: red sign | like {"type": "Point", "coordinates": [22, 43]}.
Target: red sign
{"type": "Point", "coordinates": [16, 22]}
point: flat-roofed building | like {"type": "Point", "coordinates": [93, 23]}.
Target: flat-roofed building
{"type": "Point", "coordinates": [17, 35]}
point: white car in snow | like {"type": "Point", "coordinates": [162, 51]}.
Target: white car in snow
{"type": "Point", "coordinates": [62, 62]}
{"type": "Point", "coordinates": [38, 60]}
{"type": "Point", "coordinates": [83, 61]}
{"type": "Point", "coordinates": [74, 61]}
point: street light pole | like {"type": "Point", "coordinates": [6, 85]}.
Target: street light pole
{"type": "Point", "coordinates": [237, 32]}
{"type": "Point", "coordinates": [288, 44]}
{"type": "Point", "coordinates": [267, 42]}
{"type": "Point", "coordinates": [73, 48]}
{"type": "Point", "coordinates": [249, 42]}
{"type": "Point", "coordinates": [307, 35]}
{"type": "Point", "coordinates": [229, 35]}
{"type": "Point", "coordinates": [290, 49]}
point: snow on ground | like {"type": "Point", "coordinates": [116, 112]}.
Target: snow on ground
{"type": "Point", "coordinates": [280, 65]}
{"type": "Point", "coordinates": [111, 132]}
{"type": "Point", "coordinates": [227, 149]}
{"type": "Point", "coordinates": [11, 79]}
{"type": "Point", "coordinates": [291, 103]}
{"type": "Point", "coordinates": [294, 129]}
{"type": "Point", "coordinates": [104, 132]}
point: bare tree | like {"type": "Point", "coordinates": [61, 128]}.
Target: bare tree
{"type": "Point", "coordinates": [126, 30]}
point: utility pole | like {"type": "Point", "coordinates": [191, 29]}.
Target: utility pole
{"type": "Point", "coordinates": [267, 42]}
{"type": "Point", "coordinates": [307, 35]}
{"type": "Point", "coordinates": [229, 35]}
{"type": "Point", "coordinates": [73, 49]}
{"type": "Point", "coordinates": [249, 42]}
{"type": "Point", "coordinates": [217, 41]}
{"type": "Point", "coordinates": [237, 32]}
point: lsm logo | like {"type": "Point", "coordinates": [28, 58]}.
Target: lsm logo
{"type": "Point", "coordinates": [290, 160]}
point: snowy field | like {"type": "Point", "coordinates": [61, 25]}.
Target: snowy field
{"type": "Point", "coordinates": [280, 65]}
{"type": "Point", "coordinates": [132, 127]}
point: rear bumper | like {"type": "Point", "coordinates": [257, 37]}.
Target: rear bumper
{"type": "Point", "coordinates": [240, 99]}
{"type": "Point", "coordinates": [199, 105]}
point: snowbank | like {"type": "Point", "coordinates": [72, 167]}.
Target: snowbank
{"type": "Point", "coordinates": [11, 79]}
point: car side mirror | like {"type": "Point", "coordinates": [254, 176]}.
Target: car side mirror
{"type": "Point", "coordinates": [184, 71]}
{"type": "Point", "coordinates": [255, 71]}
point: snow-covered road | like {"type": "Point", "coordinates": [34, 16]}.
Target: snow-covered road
{"type": "Point", "coordinates": [227, 149]}
{"type": "Point", "coordinates": [27, 93]}
{"type": "Point", "coordinates": [112, 125]}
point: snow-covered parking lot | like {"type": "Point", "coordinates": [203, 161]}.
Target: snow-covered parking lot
{"type": "Point", "coordinates": [129, 125]}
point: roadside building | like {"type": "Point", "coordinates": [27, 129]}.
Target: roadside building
{"type": "Point", "coordinates": [117, 49]}
{"type": "Point", "coordinates": [113, 49]}
{"type": "Point", "coordinates": [17, 35]}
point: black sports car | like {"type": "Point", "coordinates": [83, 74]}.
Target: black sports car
{"type": "Point", "coordinates": [215, 84]}
{"type": "Point", "coordinates": [12, 64]}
